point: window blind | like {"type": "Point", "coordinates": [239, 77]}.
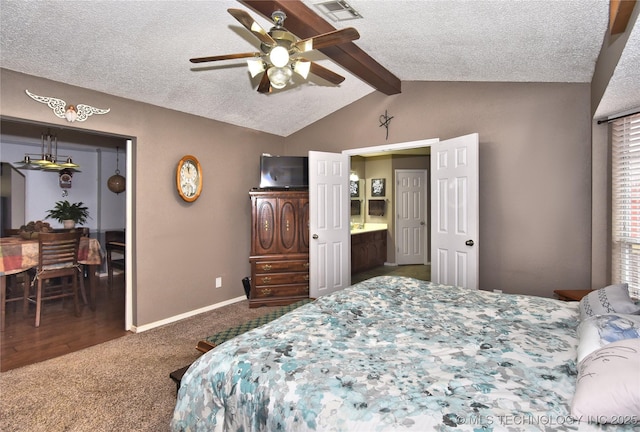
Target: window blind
{"type": "Point", "coordinates": [626, 202]}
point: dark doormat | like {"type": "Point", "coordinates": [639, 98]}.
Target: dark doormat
{"type": "Point", "coordinates": [211, 342]}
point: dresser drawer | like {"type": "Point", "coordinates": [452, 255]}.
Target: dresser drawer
{"type": "Point", "coordinates": [281, 278]}
{"type": "Point", "coordinates": [280, 266]}
{"type": "Point", "coordinates": [274, 291]}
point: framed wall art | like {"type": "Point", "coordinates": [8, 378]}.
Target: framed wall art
{"type": "Point", "coordinates": [354, 188]}
{"type": "Point", "coordinates": [377, 187]}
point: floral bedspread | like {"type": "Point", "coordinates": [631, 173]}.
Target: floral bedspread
{"type": "Point", "coordinates": [393, 354]}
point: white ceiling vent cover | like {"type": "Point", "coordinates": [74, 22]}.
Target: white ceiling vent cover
{"type": "Point", "coordinates": [338, 10]}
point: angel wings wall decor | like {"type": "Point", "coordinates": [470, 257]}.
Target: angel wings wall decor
{"type": "Point", "coordinates": [72, 113]}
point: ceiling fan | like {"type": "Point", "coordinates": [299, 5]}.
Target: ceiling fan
{"type": "Point", "coordinates": [280, 50]}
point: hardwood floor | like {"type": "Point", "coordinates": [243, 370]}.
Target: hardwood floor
{"type": "Point", "coordinates": [60, 331]}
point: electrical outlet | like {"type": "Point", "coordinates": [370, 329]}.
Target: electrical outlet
{"type": "Point", "coordinates": [219, 282]}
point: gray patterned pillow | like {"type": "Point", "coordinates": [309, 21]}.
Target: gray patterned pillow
{"type": "Point", "coordinates": [610, 299]}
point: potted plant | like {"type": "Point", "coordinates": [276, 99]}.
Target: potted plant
{"type": "Point", "coordinates": [69, 214]}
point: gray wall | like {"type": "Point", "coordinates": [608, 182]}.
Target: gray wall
{"type": "Point", "coordinates": [535, 168]}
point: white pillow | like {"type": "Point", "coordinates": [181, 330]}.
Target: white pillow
{"type": "Point", "coordinates": [610, 299]}
{"type": "Point", "coordinates": [608, 385]}
{"type": "Point", "coordinates": [600, 330]}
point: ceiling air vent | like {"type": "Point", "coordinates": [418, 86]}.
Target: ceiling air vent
{"type": "Point", "coordinates": [338, 10]}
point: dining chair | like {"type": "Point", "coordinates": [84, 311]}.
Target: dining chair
{"type": "Point", "coordinates": [15, 283]}
{"type": "Point", "coordinates": [15, 287]}
{"type": "Point", "coordinates": [57, 258]}
{"type": "Point", "coordinates": [84, 232]}
{"type": "Point", "coordinates": [114, 242]}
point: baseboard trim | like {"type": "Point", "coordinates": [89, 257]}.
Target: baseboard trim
{"type": "Point", "coordinates": [175, 318]}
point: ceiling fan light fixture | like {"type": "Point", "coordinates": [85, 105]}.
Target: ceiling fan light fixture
{"type": "Point", "coordinates": [255, 66]}
{"type": "Point", "coordinates": [279, 76]}
{"type": "Point", "coordinates": [279, 56]}
{"type": "Point", "coordinates": [302, 68]}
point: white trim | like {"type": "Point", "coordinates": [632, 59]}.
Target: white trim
{"type": "Point", "coordinates": [129, 256]}
{"type": "Point", "coordinates": [392, 147]}
{"type": "Point", "coordinates": [145, 327]}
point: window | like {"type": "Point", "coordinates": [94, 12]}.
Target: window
{"type": "Point", "coordinates": [625, 183]}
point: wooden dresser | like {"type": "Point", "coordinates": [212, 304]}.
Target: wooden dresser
{"type": "Point", "coordinates": [279, 247]}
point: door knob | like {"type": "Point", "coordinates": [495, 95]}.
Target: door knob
{"type": "Point", "coordinates": [469, 243]}
{"type": "Point", "coordinates": [421, 222]}
{"type": "Point", "coordinates": [315, 236]}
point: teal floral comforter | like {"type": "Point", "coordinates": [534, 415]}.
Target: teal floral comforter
{"type": "Point", "coordinates": [393, 354]}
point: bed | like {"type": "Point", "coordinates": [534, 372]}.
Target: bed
{"type": "Point", "coordinates": [397, 354]}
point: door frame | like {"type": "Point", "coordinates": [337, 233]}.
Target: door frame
{"type": "Point", "coordinates": [390, 148]}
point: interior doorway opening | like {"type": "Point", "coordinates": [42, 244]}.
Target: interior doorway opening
{"type": "Point", "coordinates": [406, 149]}
{"type": "Point", "coordinates": [24, 134]}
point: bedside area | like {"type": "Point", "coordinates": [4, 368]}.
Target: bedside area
{"type": "Point", "coordinates": [571, 295]}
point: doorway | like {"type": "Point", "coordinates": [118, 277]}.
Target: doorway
{"type": "Point", "coordinates": [401, 150]}
{"type": "Point", "coordinates": [96, 153]}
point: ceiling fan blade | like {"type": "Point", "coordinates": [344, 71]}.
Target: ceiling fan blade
{"type": "Point", "coordinates": [328, 39]}
{"type": "Point", "coordinates": [224, 57]}
{"type": "Point", "coordinates": [326, 74]}
{"type": "Point", "coordinates": [265, 84]}
{"type": "Point", "coordinates": [250, 24]}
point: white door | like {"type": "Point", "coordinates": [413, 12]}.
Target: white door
{"type": "Point", "coordinates": [454, 211]}
{"type": "Point", "coordinates": [411, 216]}
{"type": "Point", "coordinates": [330, 239]}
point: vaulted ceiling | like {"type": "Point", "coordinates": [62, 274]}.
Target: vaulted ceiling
{"type": "Point", "coordinates": [140, 50]}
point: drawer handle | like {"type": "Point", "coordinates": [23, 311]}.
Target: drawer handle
{"type": "Point", "coordinates": [265, 291]}
{"type": "Point", "coordinates": [266, 267]}
{"type": "Point", "coordinates": [305, 265]}
{"type": "Point", "coordinates": [266, 280]}
{"type": "Point", "coordinates": [306, 277]}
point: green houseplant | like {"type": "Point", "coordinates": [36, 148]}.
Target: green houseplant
{"type": "Point", "coordinates": [65, 211]}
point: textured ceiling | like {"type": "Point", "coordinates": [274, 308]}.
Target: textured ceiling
{"type": "Point", "coordinates": [140, 50]}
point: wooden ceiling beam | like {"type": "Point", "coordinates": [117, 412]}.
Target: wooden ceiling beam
{"type": "Point", "coordinates": [305, 23]}
{"type": "Point", "coordinates": [619, 15]}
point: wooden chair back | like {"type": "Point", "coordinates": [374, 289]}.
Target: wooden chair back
{"type": "Point", "coordinates": [58, 258]}
{"type": "Point", "coordinates": [58, 251]}
{"type": "Point", "coordinates": [114, 236]}
{"type": "Point", "coordinates": [114, 242]}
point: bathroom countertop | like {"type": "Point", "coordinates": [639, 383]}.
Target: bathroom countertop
{"type": "Point", "coordinates": [369, 227]}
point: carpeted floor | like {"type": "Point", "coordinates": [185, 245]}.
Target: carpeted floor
{"type": "Point", "coordinates": [120, 385]}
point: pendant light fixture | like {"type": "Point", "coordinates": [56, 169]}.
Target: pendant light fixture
{"type": "Point", "coordinates": [116, 182]}
{"type": "Point", "coordinates": [48, 158]}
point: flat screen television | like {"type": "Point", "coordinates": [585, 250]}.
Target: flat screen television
{"type": "Point", "coordinates": [284, 172]}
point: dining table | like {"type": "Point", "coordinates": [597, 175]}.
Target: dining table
{"type": "Point", "coordinates": [18, 255]}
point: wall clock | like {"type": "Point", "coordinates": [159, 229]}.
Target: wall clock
{"type": "Point", "coordinates": [189, 178]}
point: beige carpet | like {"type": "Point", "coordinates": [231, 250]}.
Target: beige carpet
{"type": "Point", "coordinates": [121, 385]}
